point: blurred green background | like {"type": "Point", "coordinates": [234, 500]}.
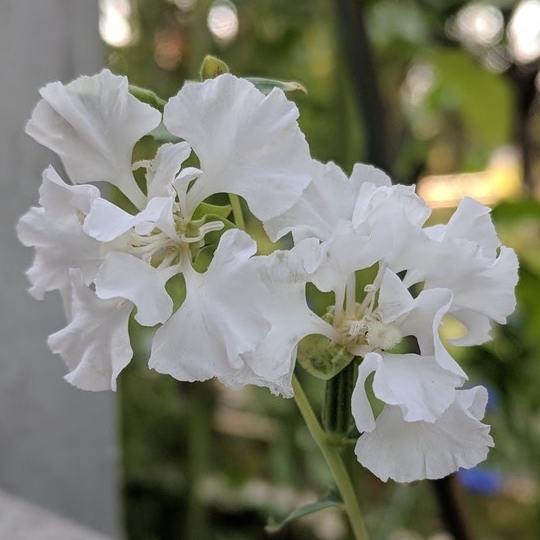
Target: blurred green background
{"type": "Point", "coordinates": [441, 93]}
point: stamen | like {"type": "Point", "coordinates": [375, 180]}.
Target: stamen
{"type": "Point", "coordinates": [203, 230]}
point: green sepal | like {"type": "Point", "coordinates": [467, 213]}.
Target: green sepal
{"type": "Point", "coordinates": [211, 67]}
{"type": "Point", "coordinates": [322, 357]}
{"type": "Point", "coordinates": [332, 498]}
{"type": "Point", "coordinates": [265, 86]}
{"type": "Point", "coordinates": [204, 251]}
{"type": "Point", "coordinates": [204, 258]}
{"type": "Point", "coordinates": [205, 209]}
{"type": "Point", "coordinates": [147, 96]}
{"type": "Point", "coordinates": [161, 134]}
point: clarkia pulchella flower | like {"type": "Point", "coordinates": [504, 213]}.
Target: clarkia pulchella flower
{"type": "Point", "coordinates": [245, 317]}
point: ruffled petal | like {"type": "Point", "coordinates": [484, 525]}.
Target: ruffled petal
{"type": "Point", "coordinates": [471, 221]}
{"type": "Point", "coordinates": [327, 200]}
{"type": "Point", "coordinates": [145, 287]}
{"type": "Point", "coordinates": [347, 251]}
{"type": "Point", "coordinates": [394, 298]}
{"type": "Point", "coordinates": [247, 143]}
{"type": "Point", "coordinates": [57, 235]}
{"type": "Point", "coordinates": [164, 168]}
{"type": "Point", "coordinates": [417, 384]}
{"type": "Point", "coordinates": [107, 222]}
{"type": "Point", "coordinates": [410, 451]}
{"type": "Point", "coordinates": [380, 200]}
{"type": "Point", "coordinates": [220, 319]}
{"type": "Point", "coordinates": [273, 360]}
{"type": "Point", "coordinates": [360, 405]}
{"type": "Point", "coordinates": [482, 287]}
{"type": "Point", "coordinates": [420, 317]}
{"type": "Point", "coordinates": [95, 344]}
{"type": "Point", "coordinates": [93, 124]}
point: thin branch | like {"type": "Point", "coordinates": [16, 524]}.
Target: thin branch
{"type": "Point", "coordinates": [363, 75]}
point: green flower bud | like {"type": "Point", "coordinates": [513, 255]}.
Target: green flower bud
{"type": "Point", "coordinates": [212, 67]}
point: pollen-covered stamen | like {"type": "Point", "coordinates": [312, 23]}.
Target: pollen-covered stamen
{"type": "Point", "coordinates": [362, 326]}
{"type": "Point", "coordinates": [370, 330]}
{"type": "Point", "coordinates": [382, 336]}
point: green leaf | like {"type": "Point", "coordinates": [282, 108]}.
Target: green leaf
{"type": "Point", "coordinates": [267, 85]}
{"type": "Point", "coordinates": [147, 96]}
{"type": "Point", "coordinates": [516, 210]}
{"type": "Point", "coordinates": [332, 498]}
{"type": "Point", "coordinates": [211, 67]}
{"type": "Point", "coordinates": [205, 209]}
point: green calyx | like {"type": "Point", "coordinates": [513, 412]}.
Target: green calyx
{"type": "Point", "coordinates": [322, 357]}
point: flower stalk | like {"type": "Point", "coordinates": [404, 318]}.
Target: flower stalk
{"type": "Point", "coordinates": [332, 455]}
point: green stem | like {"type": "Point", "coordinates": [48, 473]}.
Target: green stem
{"type": "Point", "coordinates": [237, 211]}
{"type": "Point", "coordinates": [198, 458]}
{"type": "Point", "coordinates": [336, 413]}
{"type": "Point", "coordinates": [331, 453]}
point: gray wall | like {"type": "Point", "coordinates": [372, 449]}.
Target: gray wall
{"type": "Point", "coordinates": [57, 443]}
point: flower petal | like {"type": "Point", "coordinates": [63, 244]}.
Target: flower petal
{"type": "Point", "coordinates": [93, 124]}
{"type": "Point", "coordinates": [347, 251]}
{"type": "Point", "coordinates": [410, 451]}
{"type": "Point", "coordinates": [164, 167]}
{"type": "Point", "coordinates": [360, 405]}
{"type": "Point", "coordinates": [420, 317]}
{"type": "Point", "coordinates": [107, 222]}
{"type": "Point", "coordinates": [145, 286]}
{"type": "Point", "coordinates": [219, 320]}
{"type": "Point", "coordinates": [247, 143]}
{"type": "Point", "coordinates": [327, 200]}
{"type": "Point", "coordinates": [57, 234]}
{"type": "Point", "coordinates": [481, 286]}
{"type": "Point", "coordinates": [95, 344]}
{"type": "Point", "coordinates": [273, 360]}
{"type": "Point", "coordinates": [471, 221]}
{"type": "Point", "coordinates": [417, 384]}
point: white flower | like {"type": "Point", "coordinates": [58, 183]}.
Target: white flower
{"type": "Point", "coordinates": [242, 319]}
{"type": "Point", "coordinates": [407, 451]}
{"type": "Point", "coordinates": [462, 271]}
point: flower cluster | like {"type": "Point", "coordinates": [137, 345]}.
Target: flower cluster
{"type": "Point", "coordinates": [246, 316]}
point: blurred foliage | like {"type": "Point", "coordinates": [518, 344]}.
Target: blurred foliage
{"type": "Point", "coordinates": [201, 462]}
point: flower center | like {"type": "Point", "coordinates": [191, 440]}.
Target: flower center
{"type": "Point", "coordinates": [161, 248]}
{"type": "Point", "coordinates": [369, 330]}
